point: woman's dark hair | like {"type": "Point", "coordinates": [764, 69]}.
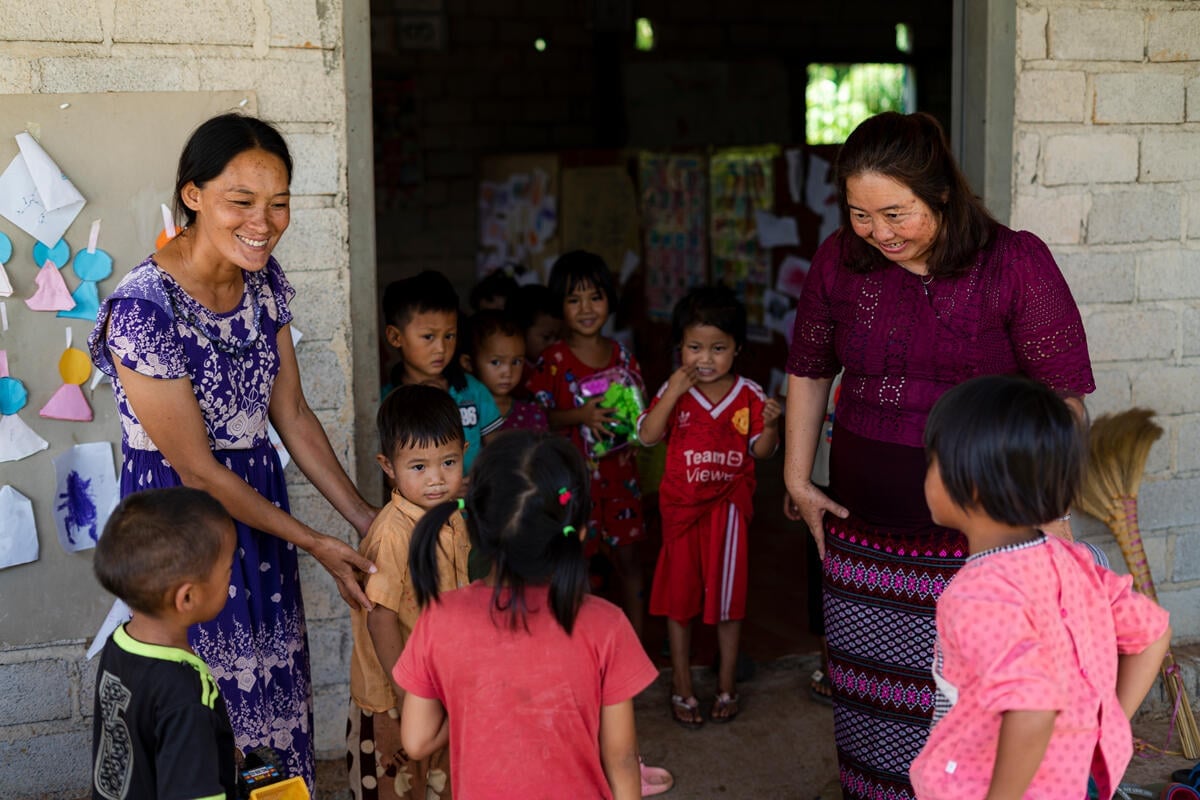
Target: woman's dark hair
{"type": "Point", "coordinates": [155, 540]}
{"type": "Point", "coordinates": [578, 268]}
{"type": "Point", "coordinates": [416, 415]}
{"type": "Point", "coordinates": [525, 508]}
{"type": "Point", "coordinates": [487, 323]}
{"type": "Point", "coordinates": [1008, 445]}
{"type": "Point", "coordinates": [912, 150]}
{"type": "Point", "coordinates": [717, 306]}
{"type": "Point", "coordinates": [531, 300]}
{"type": "Point", "coordinates": [217, 142]}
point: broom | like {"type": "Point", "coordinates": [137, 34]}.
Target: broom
{"type": "Point", "coordinates": [1120, 445]}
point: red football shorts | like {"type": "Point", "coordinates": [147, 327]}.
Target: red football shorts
{"type": "Point", "coordinates": [703, 569]}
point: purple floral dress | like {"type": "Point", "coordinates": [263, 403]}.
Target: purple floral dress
{"type": "Point", "coordinates": [257, 648]}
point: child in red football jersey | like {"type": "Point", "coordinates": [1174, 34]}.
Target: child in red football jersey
{"type": "Point", "coordinates": [713, 421]}
{"type": "Point", "coordinates": [583, 286]}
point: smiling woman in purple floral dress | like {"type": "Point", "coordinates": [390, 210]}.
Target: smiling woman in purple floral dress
{"type": "Point", "coordinates": [197, 341]}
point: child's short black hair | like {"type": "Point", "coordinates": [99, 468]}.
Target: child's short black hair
{"type": "Point", "coordinates": [426, 291]}
{"type": "Point", "coordinates": [526, 506]}
{"type": "Point", "coordinates": [1008, 445]}
{"type": "Point", "coordinates": [496, 283]}
{"type": "Point", "coordinates": [717, 306]}
{"type": "Point", "coordinates": [155, 540]}
{"type": "Point", "coordinates": [529, 301]}
{"type": "Point", "coordinates": [416, 415]}
{"type": "Point", "coordinates": [579, 267]}
{"type": "Point", "coordinates": [487, 323]}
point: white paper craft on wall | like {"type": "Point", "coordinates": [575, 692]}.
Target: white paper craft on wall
{"type": "Point", "coordinates": [5, 255]}
{"type": "Point", "coordinates": [86, 494]}
{"type": "Point", "coordinates": [18, 533]}
{"type": "Point", "coordinates": [68, 402]}
{"type": "Point", "coordinates": [17, 440]}
{"type": "Point", "coordinates": [36, 196]}
{"type": "Point", "coordinates": [91, 266]}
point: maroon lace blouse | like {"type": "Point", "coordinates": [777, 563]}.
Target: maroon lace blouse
{"type": "Point", "coordinates": [903, 343]}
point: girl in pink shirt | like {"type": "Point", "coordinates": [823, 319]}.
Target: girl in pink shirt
{"type": "Point", "coordinates": [1041, 655]}
{"type": "Point", "coordinates": [530, 679]}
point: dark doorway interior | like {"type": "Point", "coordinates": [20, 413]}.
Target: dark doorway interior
{"type": "Point", "coordinates": [457, 80]}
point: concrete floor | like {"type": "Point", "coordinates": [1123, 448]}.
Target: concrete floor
{"type": "Point", "coordinates": [779, 747]}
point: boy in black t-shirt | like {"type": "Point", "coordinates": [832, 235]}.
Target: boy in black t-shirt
{"type": "Point", "coordinates": [160, 728]}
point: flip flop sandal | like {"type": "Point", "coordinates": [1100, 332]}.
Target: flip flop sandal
{"type": "Point", "coordinates": [655, 780]}
{"type": "Point", "coordinates": [1178, 791]}
{"type": "Point", "coordinates": [691, 707]}
{"type": "Point", "coordinates": [820, 688]}
{"type": "Point", "coordinates": [727, 703]}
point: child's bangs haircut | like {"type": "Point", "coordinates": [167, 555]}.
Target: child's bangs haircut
{"type": "Point", "coordinates": [157, 539]}
{"type": "Point", "coordinates": [1008, 445]}
{"type": "Point", "coordinates": [416, 415]}
{"type": "Point", "coordinates": [426, 291]}
{"type": "Point", "coordinates": [525, 509]}
{"type": "Point", "coordinates": [717, 306]}
{"type": "Point", "coordinates": [581, 268]}
{"type": "Point", "coordinates": [488, 323]}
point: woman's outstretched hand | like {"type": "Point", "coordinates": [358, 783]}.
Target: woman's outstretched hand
{"type": "Point", "coordinates": [807, 503]}
{"type": "Point", "coordinates": [345, 564]}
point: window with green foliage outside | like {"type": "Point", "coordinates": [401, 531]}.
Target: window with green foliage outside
{"type": "Point", "coordinates": [839, 96]}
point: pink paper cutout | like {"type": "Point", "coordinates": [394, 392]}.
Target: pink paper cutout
{"type": "Point", "coordinates": [3, 363]}
{"type": "Point", "coordinates": [67, 403]}
{"type": "Point", "coordinates": [6, 289]}
{"type": "Point", "coordinates": [52, 293]}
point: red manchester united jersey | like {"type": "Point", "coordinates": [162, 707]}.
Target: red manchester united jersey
{"type": "Point", "coordinates": [708, 444]}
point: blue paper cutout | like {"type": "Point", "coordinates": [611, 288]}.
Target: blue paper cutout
{"type": "Point", "coordinates": [12, 395]}
{"type": "Point", "coordinates": [81, 509]}
{"type": "Point", "coordinates": [60, 254]}
{"type": "Point", "coordinates": [5, 248]}
{"type": "Point", "coordinates": [92, 266]}
{"type": "Point", "coordinates": [87, 302]}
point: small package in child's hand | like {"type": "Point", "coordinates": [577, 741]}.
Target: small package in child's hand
{"type": "Point", "coordinates": [620, 390]}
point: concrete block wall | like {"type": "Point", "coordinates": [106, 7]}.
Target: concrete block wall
{"type": "Point", "coordinates": [289, 53]}
{"type": "Point", "coordinates": [1107, 134]}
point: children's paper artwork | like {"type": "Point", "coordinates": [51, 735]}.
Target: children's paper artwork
{"type": "Point", "coordinates": [6, 289]}
{"type": "Point", "coordinates": [821, 196]}
{"type": "Point", "coordinates": [795, 173]}
{"type": "Point", "coordinates": [674, 188]}
{"type": "Point", "coordinates": [5, 248]}
{"type": "Point", "coordinates": [86, 494]}
{"type": "Point", "coordinates": [35, 194]}
{"type": "Point", "coordinates": [17, 440]}
{"type": "Point", "coordinates": [742, 183]}
{"type": "Point", "coordinates": [775, 231]}
{"type": "Point", "coordinates": [52, 293]}
{"type": "Point", "coordinates": [778, 309]}
{"type": "Point", "coordinates": [792, 273]}
{"type": "Point", "coordinates": [68, 402]}
{"type": "Point", "coordinates": [118, 614]}
{"type": "Point", "coordinates": [59, 253]}
{"type": "Point", "coordinates": [87, 302]}
{"type": "Point", "coordinates": [18, 532]}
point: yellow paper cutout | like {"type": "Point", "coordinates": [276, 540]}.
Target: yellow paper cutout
{"type": "Point", "coordinates": [74, 366]}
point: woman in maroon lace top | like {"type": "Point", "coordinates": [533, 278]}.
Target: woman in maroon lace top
{"type": "Point", "coordinates": [919, 290]}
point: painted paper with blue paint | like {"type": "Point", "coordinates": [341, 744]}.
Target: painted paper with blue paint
{"type": "Point", "coordinates": [85, 494]}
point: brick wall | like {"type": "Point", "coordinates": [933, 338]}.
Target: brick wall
{"type": "Point", "coordinates": [289, 53]}
{"type": "Point", "coordinates": [1107, 145]}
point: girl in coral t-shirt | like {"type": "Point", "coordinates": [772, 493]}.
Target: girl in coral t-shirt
{"type": "Point", "coordinates": [1041, 655]}
{"type": "Point", "coordinates": [524, 668]}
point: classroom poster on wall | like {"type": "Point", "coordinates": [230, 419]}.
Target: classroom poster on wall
{"type": "Point", "coordinates": [600, 213]}
{"type": "Point", "coordinates": [674, 193]}
{"type": "Point", "coordinates": [518, 213]}
{"type": "Point", "coordinates": [741, 186]}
